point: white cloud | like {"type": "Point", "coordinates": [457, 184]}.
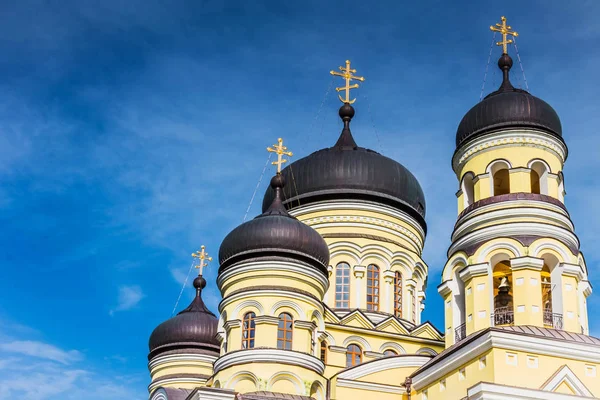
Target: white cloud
{"type": "Point", "coordinates": [41, 350]}
{"type": "Point", "coordinates": [129, 297]}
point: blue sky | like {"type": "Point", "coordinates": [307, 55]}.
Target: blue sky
{"type": "Point", "coordinates": [132, 132]}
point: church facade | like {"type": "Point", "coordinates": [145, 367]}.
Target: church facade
{"type": "Point", "coordinates": [323, 292]}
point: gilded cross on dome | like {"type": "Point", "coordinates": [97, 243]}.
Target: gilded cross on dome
{"type": "Point", "coordinates": [202, 255]}
{"type": "Point", "coordinates": [347, 75]}
{"type": "Point", "coordinates": [280, 150]}
{"type": "Point", "coordinates": [504, 30]}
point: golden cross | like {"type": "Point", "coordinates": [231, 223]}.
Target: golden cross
{"type": "Point", "coordinates": [280, 149]}
{"type": "Point", "coordinates": [504, 30]}
{"type": "Point", "coordinates": [201, 255]}
{"type": "Point", "coordinates": [347, 75]}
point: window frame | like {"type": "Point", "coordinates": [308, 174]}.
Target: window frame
{"type": "Point", "coordinates": [353, 350]}
{"type": "Point", "coordinates": [248, 341]}
{"type": "Point", "coordinates": [283, 343]}
{"type": "Point", "coordinates": [342, 289]}
{"type": "Point", "coordinates": [373, 286]}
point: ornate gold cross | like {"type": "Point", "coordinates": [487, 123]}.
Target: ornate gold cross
{"type": "Point", "coordinates": [280, 150]}
{"type": "Point", "coordinates": [504, 30]}
{"type": "Point", "coordinates": [201, 255]}
{"type": "Point", "coordinates": [347, 75]}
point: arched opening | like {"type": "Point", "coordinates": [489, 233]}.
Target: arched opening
{"type": "Point", "coordinates": [503, 294]}
{"type": "Point", "coordinates": [539, 177]}
{"type": "Point", "coordinates": [552, 296]}
{"type": "Point", "coordinates": [323, 353]}
{"type": "Point", "coordinates": [373, 287]}
{"type": "Point", "coordinates": [353, 355]}
{"type": "Point", "coordinates": [398, 294]}
{"type": "Point", "coordinates": [546, 295]}
{"type": "Point", "coordinates": [459, 309]}
{"type": "Point", "coordinates": [248, 330]}
{"type": "Point", "coordinates": [468, 189]}
{"type": "Point", "coordinates": [284, 331]}
{"type": "Point", "coordinates": [342, 285]}
{"type": "Point", "coordinates": [561, 187]}
{"type": "Point", "coordinates": [390, 353]}
{"type": "Point", "coordinates": [500, 178]}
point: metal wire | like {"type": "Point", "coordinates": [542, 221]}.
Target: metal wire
{"type": "Point", "coordinates": [373, 123]}
{"type": "Point", "coordinates": [257, 186]}
{"type": "Point", "coordinates": [182, 288]}
{"type": "Point", "coordinates": [520, 63]}
{"type": "Point", "coordinates": [487, 67]}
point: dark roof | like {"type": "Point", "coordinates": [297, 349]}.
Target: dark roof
{"type": "Point", "coordinates": [174, 393]}
{"type": "Point", "coordinates": [264, 395]}
{"type": "Point", "coordinates": [194, 327]}
{"type": "Point", "coordinates": [275, 234]}
{"type": "Point", "coordinates": [348, 171]}
{"type": "Point", "coordinates": [508, 108]}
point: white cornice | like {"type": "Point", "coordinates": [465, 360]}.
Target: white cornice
{"type": "Point", "coordinates": [444, 289]}
{"type": "Point", "coordinates": [473, 270]}
{"type": "Point", "coordinates": [383, 364]}
{"type": "Point", "coordinates": [190, 358]}
{"type": "Point", "coordinates": [586, 288]}
{"type": "Point", "coordinates": [269, 356]}
{"type": "Point", "coordinates": [509, 341]}
{"type": "Point", "coordinates": [207, 393]}
{"type": "Point", "coordinates": [491, 391]}
{"type": "Point", "coordinates": [372, 387]}
{"type": "Point", "coordinates": [252, 294]}
{"type": "Point", "coordinates": [266, 319]}
{"type": "Point", "coordinates": [526, 263]}
{"type": "Point", "coordinates": [171, 381]}
{"type": "Point", "coordinates": [573, 270]}
{"type": "Point", "coordinates": [521, 137]}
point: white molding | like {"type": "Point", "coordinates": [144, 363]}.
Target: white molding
{"type": "Point", "coordinates": [279, 293]}
{"type": "Point", "coordinates": [473, 270]}
{"type": "Point", "coordinates": [444, 288]}
{"type": "Point", "coordinates": [354, 339]}
{"type": "Point", "coordinates": [371, 387]}
{"type": "Point", "coordinates": [573, 270]}
{"type": "Point", "coordinates": [586, 288]}
{"type": "Point", "coordinates": [526, 263]}
{"type": "Point", "coordinates": [566, 375]}
{"type": "Point", "coordinates": [269, 356]}
{"type": "Point", "coordinates": [509, 341]}
{"type": "Point", "coordinates": [490, 391]}
{"type": "Point", "coordinates": [207, 393]}
{"type": "Point", "coordinates": [520, 138]}
{"type": "Point", "coordinates": [515, 229]}
{"type": "Point", "coordinates": [190, 358]}
{"type": "Point", "coordinates": [392, 346]}
{"type": "Point", "coordinates": [383, 364]}
{"type": "Point", "coordinates": [158, 382]}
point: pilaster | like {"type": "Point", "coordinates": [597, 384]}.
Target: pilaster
{"type": "Point", "coordinates": [359, 283]}
{"type": "Point", "coordinates": [476, 278]}
{"type": "Point", "coordinates": [527, 290]}
{"type": "Point", "coordinates": [388, 283]}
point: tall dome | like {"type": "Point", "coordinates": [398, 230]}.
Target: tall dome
{"type": "Point", "coordinates": [508, 108]}
{"type": "Point", "coordinates": [347, 171]}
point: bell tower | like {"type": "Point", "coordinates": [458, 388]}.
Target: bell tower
{"type": "Point", "coordinates": [514, 258]}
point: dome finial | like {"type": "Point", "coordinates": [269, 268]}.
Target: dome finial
{"type": "Point", "coordinates": [347, 75]}
{"type": "Point", "coordinates": [504, 30]}
{"type": "Point", "coordinates": [280, 150]}
{"type": "Point", "coordinates": [202, 255]}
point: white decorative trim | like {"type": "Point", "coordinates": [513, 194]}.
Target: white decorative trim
{"type": "Point", "coordinates": [491, 391]}
{"type": "Point", "coordinates": [586, 288]}
{"type": "Point", "coordinates": [251, 294]}
{"type": "Point", "coordinates": [566, 375]}
{"type": "Point", "coordinates": [428, 351]}
{"type": "Point", "coordinates": [383, 364]}
{"type": "Point", "coordinates": [444, 288]}
{"type": "Point", "coordinates": [247, 303]}
{"type": "Point", "coordinates": [519, 138]}
{"type": "Point", "coordinates": [392, 346]}
{"type": "Point", "coordinates": [207, 393]}
{"type": "Point", "coordinates": [158, 382]}
{"type": "Point", "coordinates": [159, 394]}
{"type": "Point", "coordinates": [526, 263]}
{"type": "Point", "coordinates": [573, 270]}
{"type": "Point", "coordinates": [357, 340]}
{"type": "Point", "coordinates": [289, 304]}
{"type": "Point", "coordinates": [190, 359]}
{"type": "Point", "coordinates": [269, 356]}
{"type": "Point", "coordinates": [371, 387]}
{"type": "Point", "coordinates": [286, 376]}
{"type": "Point", "coordinates": [509, 341]}
{"type": "Point", "coordinates": [473, 270]}
{"type": "Point", "coordinates": [515, 229]}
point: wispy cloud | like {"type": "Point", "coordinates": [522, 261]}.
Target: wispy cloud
{"type": "Point", "coordinates": [41, 350]}
{"type": "Point", "coordinates": [129, 297]}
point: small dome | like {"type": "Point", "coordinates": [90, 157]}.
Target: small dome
{"type": "Point", "coordinates": [508, 108]}
{"type": "Point", "coordinates": [194, 327]}
{"type": "Point", "coordinates": [348, 171]}
{"type": "Point", "coordinates": [274, 233]}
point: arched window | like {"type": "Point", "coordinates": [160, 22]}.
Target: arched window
{"type": "Point", "coordinates": [373, 288]}
{"type": "Point", "coordinates": [500, 177]}
{"type": "Point", "coordinates": [539, 177]}
{"type": "Point", "coordinates": [503, 295]}
{"type": "Point", "coordinates": [248, 330]}
{"type": "Point", "coordinates": [413, 295]}
{"type": "Point", "coordinates": [390, 353]}
{"type": "Point", "coordinates": [468, 189]}
{"type": "Point", "coordinates": [342, 285]}
{"type": "Point", "coordinates": [323, 354]}
{"type": "Point", "coordinates": [398, 294]}
{"type": "Point", "coordinates": [353, 355]}
{"type": "Point", "coordinates": [284, 331]}
{"type": "Point", "coordinates": [547, 295]}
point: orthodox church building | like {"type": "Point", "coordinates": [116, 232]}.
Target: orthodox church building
{"type": "Point", "coordinates": [323, 291]}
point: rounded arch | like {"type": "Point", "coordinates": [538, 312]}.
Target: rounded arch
{"type": "Point", "coordinates": [242, 377]}
{"type": "Point", "coordinates": [457, 260]}
{"type": "Point", "coordinates": [540, 246]}
{"type": "Point", "coordinates": [539, 171]}
{"type": "Point", "coordinates": [498, 163]}
{"type": "Point", "coordinates": [392, 346]}
{"type": "Point", "coordinates": [507, 245]}
{"type": "Point", "coordinates": [357, 340]}
{"type": "Point", "coordinates": [287, 306]}
{"type": "Point", "coordinates": [534, 160]}
{"type": "Point", "coordinates": [500, 176]}
{"type": "Point", "coordinates": [159, 394]}
{"type": "Point", "coordinates": [317, 391]}
{"type": "Point", "coordinates": [248, 305]}
{"type": "Point", "coordinates": [316, 314]}
{"type": "Point", "coordinates": [380, 260]}
{"type": "Point", "coordinates": [467, 186]}
{"type": "Point", "coordinates": [217, 384]}
{"type": "Point", "coordinates": [285, 377]}
{"type": "Point", "coordinates": [328, 337]}
{"type": "Point", "coordinates": [427, 351]}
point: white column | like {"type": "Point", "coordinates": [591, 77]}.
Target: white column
{"type": "Point", "coordinates": [359, 274]}
{"type": "Point", "coordinates": [388, 281]}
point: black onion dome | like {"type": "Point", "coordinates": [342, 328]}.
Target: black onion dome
{"type": "Point", "coordinates": [347, 171]}
{"type": "Point", "coordinates": [195, 327]}
{"type": "Point", "coordinates": [508, 108]}
{"type": "Point", "coordinates": [274, 233]}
